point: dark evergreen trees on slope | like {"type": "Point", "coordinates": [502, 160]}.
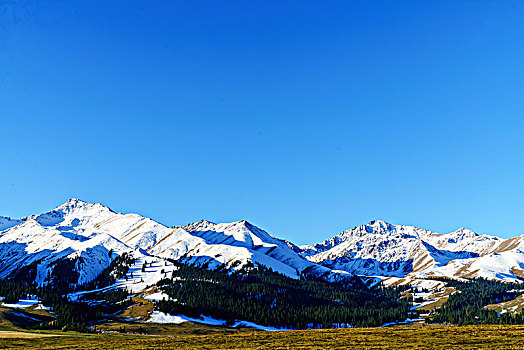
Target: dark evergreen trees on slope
{"type": "Point", "coordinates": [466, 306]}
{"type": "Point", "coordinates": [268, 298]}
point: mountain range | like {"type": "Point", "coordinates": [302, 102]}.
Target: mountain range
{"type": "Point", "coordinates": [92, 235]}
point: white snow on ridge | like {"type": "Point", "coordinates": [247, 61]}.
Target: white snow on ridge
{"type": "Point", "coordinates": [492, 266]}
{"type": "Point", "coordinates": [249, 243]}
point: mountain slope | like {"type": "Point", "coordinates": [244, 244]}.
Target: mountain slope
{"type": "Point", "coordinates": [263, 247]}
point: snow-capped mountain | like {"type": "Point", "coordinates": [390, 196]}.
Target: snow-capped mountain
{"type": "Point", "coordinates": [249, 242]}
{"type": "Point", "coordinates": [91, 235]}
{"type": "Point", "coordinates": [383, 249]}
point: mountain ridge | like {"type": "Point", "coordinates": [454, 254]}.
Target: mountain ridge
{"type": "Point", "coordinates": [389, 250]}
{"type": "Point", "coordinates": [89, 231]}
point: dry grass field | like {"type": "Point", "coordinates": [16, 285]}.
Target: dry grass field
{"type": "Point", "coordinates": [19, 334]}
{"type": "Point", "coordinates": [419, 337]}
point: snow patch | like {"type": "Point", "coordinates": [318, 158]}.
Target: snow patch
{"type": "Point", "coordinates": [161, 317]}
{"type": "Point", "coordinates": [157, 296]}
{"type": "Point", "coordinates": [22, 304]}
{"type": "Point", "coordinates": [408, 320]}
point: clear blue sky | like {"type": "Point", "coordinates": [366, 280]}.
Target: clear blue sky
{"type": "Point", "coordinates": [303, 117]}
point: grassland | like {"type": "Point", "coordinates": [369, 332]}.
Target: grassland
{"type": "Point", "coordinates": [420, 337]}
{"type": "Point", "coordinates": [19, 318]}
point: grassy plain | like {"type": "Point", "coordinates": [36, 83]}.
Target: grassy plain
{"type": "Point", "coordinates": [415, 337]}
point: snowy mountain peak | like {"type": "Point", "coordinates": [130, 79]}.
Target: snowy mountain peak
{"type": "Point", "coordinates": [379, 226]}
{"type": "Point", "coordinates": [465, 233]}
{"type": "Point", "coordinates": [373, 227]}
{"type": "Point", "coordinates": [378, 223]}
{"type": "Point", "coordinates": [73, 212]}
{"type": "Point", "coordinates": [204, 225]}
{"type": "Point", "coordinates": [75, 203]}
{"type": "Point", "coordinates": [246, 225]}
{"type": "Point", "coordinates": [201, 225]}
{"type": "Point", "coordinates": [239, 230]}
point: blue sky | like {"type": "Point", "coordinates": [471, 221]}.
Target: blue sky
{"type": "Point", "coordinates": [303, 117]}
